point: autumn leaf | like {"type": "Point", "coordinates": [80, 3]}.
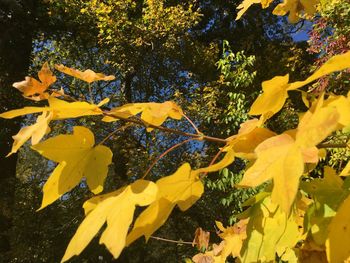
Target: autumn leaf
{"type": "Point", "coordinates": [244, 6]}
{"type": "Point", "coordinates": [201, 239]}
{"type": "Point", "coordinates": [34, 89]}
{"type": "Point", "coordinates": [35, 131]}
{"type": "Point", "coordinates": [269, 230]}
{"type": "Point", "coordinates": [275, 91]}
{"type": "Point", "coordinates": [77, 158]}
{"type": "Point", "coordinates": [60, 108]}
{"type": "Point", "coordinates": [151, 112]}
{"type": "Point", "coordinates": [279, 159]}
{"type": "Point", "coordinates": [338, 241]}
{"type": "Point", "coordinates": [117, 209]}
{"type": "Point", "coordinates": [233, 239]}
{"type": "Point", "coordinates": [295, 8]}
{"type": "Point", "coordinates": [183, 188]}
{"type": "Point", "coordinates": [87, 75]}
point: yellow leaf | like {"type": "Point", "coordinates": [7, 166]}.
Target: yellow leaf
{"type": "Point", "coordinates": [244, 7]}
{"type": "Point", "coordinates": [342, 104]}
{"type": "Point", "coordinates": [338, 241]}
{"type": "Point", "coordinates": [269, 154]}
{"type": "Point", "coordinates": [226, 161]}
{"type": "Point", "coordinates": [117, 209]}
{"type": "Point", "coordinates": [183, 188]}
{"type": "Point", "coordinates": [335, 63]}
{"type": "Point", "coordinates": [35, 131]}
{"type": "Point", "coordinates": [279, 159]}
{"type": "Point", "coordinates": [314, 127]}
{"type": "Point", "coordinates": [269, 231]}
{"type": "Point", "coordinates": [346, 170]}
{"type": "Point", "coordinates": [286, 179]}
{"type": "Point", "coordinates": [273, 97]}
{"type": "Point", "coordinates": [275, 91]}
{"type": "Point", "coordinates": [233, 237]}
{"type": "Point", "coordinates": [87, 75]}
{"type": "Point", "coordinates": [295, 8]}
{"type": "Point", "coordinates": [60, 108]}
{"type": "Point", "coordinates": [151, 112]}
{"type": "Point", "coordinates": [77, 158]}
{"type": "Point", "coordinates": [33, 89]}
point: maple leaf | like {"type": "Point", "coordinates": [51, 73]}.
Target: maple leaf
{"type": "Point", "coordinates": [295, 8]}
{"type": "Point", "coordinates": [34, 89]}
{"type": "Point", "coordinates": [248, 138]}
{"type": "Point", "coordinates": [60, 108]}
{"type": "Point", "coordinates": [244, 6]}
{"type": "Point", "coordinates": [35, 131]}
{"type": "Point", "coordinates": [269, 230]}
{"type": "Point", "coordinates": [201, 239]}
{"type": "Point", "coordinates": [183, 188]}
{"type": "Point", "coordinates": [233, 239]}
{"type": "Point", "coordinates": [117, 209]}
{"type": "Point", "coordinates": [279, 159]}
{"type": "Point", "coordinates": [338, 241]}
{"type": "Point", "coordinates": [87, 75]}
{"type": "Point", "coordinates": [275, 91]}
{"type": "Point", "coordinates": [151, 112]}
{"type": "Point", "coordinates": [77, 158]}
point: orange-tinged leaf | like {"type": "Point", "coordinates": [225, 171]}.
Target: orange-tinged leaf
{"type": "Point", "coordinates": [35, 131]}
{"type": "Point", "coordinates": [77, 158]}
{"type": "Point", "coordinates": [201, 239]}
{"type": "Point", "coordinates": [338, 241]}
{"type": "Point", "coordinates": [87, 75]}
{"type": "Point", "coordinates": [117, 209]}
{"type": "Point", "coordinates": [183, 188]}
{"type": "Point", "coordinates": [34, 89]}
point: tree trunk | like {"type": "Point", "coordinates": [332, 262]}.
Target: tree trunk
{"type": "Point", "coordinates": [17, 18]}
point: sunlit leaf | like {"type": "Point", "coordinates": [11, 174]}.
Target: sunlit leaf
{"type": "Point", "coordinates": [87, 75]}
{"type": "Point", "coordinates": [77, 158]}
{"type": "Point", "coordinates": [183, 188]}
{"type": "Point", "coordinates": [117, 209]}
{"type": "Point", "coordinates": [338, 241]}
{"type": "Point", "coordinates": [34, 89]}
{"type": "Point", "coordinates": [35, 131]}
{"type": "Point", "coordinates": [151, 112]}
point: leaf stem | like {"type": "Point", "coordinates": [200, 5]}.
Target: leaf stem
{"type": "Point", "coordinates": [191, 122]}
{"type": "Point", "coordinates": [114, 132]}
{"type": "Point", "coordinates": [165, 129]}
{"type": "Point", "coordinates": [172, 241]}
{"type": "Point", "coordinates": [165, 153]}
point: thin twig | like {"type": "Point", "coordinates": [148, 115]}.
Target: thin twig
{"type": "Point", "coordinates": [172, 241]}
{"type": "Point", "coordinates": [165, 153]}
{"type": "Point", "coordinates": [191, 122]}
{"type": "Point", "coordinates": [165, 129]}
{"type": "Point", "coordinates": [114, 132]}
